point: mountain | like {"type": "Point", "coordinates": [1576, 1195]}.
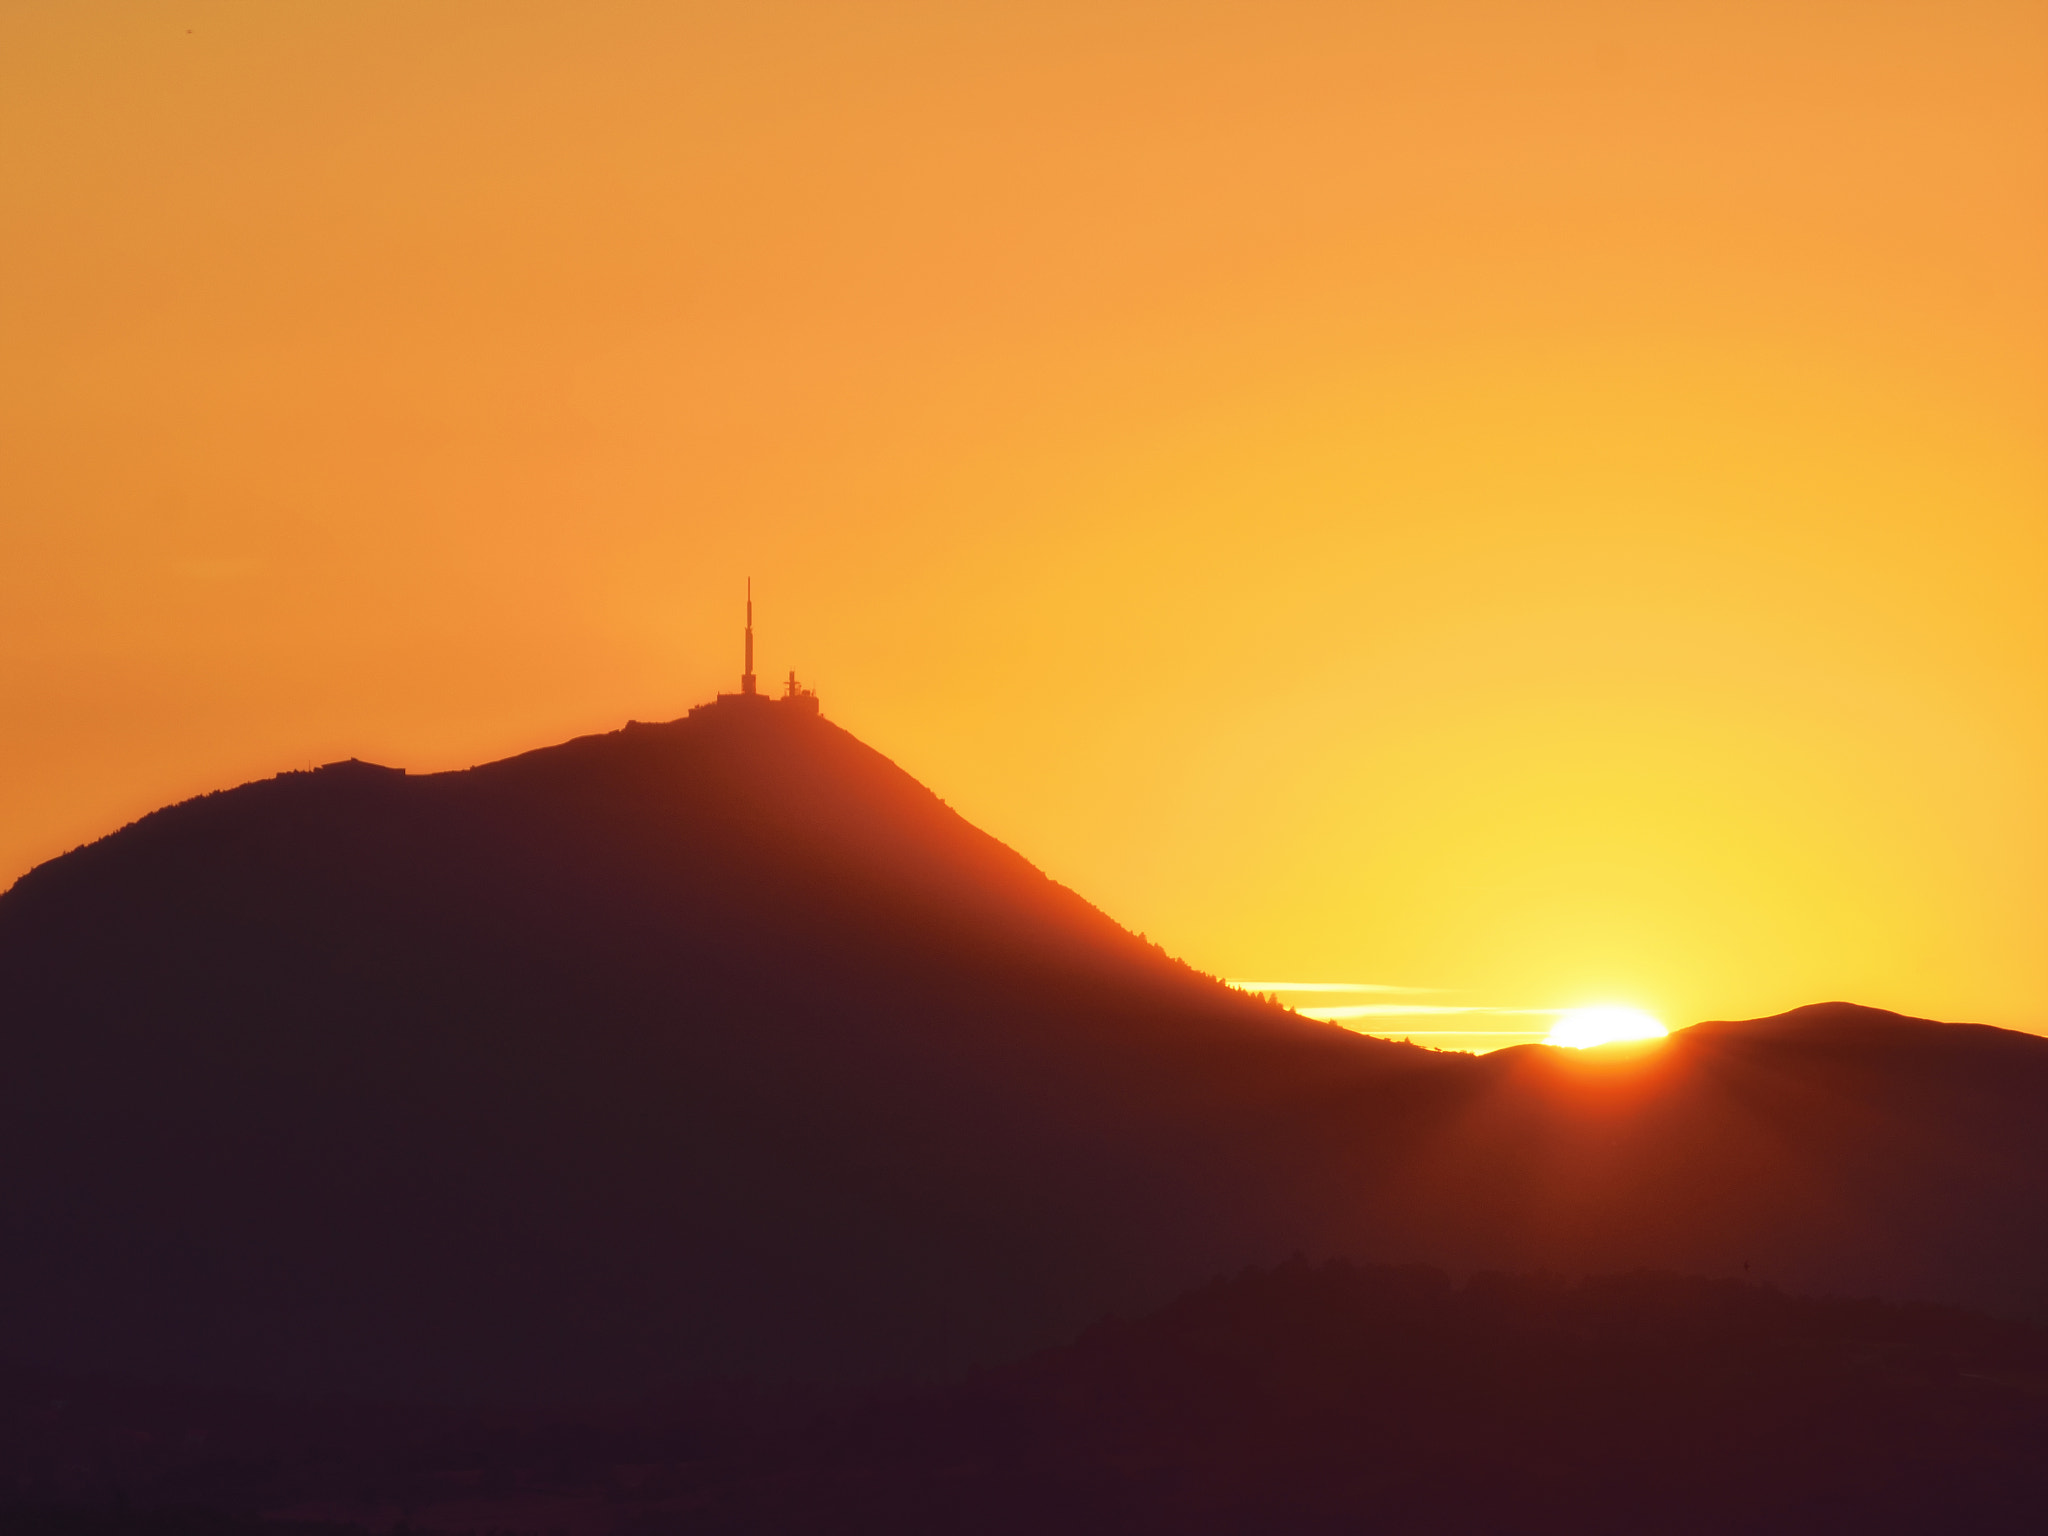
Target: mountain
{"type": "Point", "coordinates": [716, 1046]}
{"type": "Point", "coordinates": [721, 1047]}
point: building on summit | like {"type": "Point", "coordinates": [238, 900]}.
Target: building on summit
{"type": "Point", "coordinates": [803, 700]}
{"type": "Point", "coordinates": [794, 696]}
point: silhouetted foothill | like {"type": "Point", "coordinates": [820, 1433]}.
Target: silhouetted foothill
{"type": "Point", "coordinates": [723, 1048]}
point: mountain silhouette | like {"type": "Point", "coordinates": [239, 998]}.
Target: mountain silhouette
{"type": "Point", "coordinates": [1831, 1148]}
{"type": "Point", "coordinates": [721, 1047]}
{"type": "Point", "coordinates": [712, 1046]}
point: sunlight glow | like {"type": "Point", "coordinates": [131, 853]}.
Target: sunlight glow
{"type": "Point", "coordinates": [1401, 1010]}
{"type": "Point", "coordinates": [1581, 1028]}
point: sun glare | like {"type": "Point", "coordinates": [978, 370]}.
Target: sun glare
{"type": "Point", "coordinates": [1581, 1028]}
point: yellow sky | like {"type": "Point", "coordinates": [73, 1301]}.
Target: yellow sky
{"type": "Point", "coordinates": [1543, 502]}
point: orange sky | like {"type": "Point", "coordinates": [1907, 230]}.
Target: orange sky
{"type": "Point", "coordinates": [1543, 502]}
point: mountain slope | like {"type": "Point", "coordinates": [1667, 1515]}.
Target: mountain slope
{"type": "Point", "coordinates": [719, 1045]}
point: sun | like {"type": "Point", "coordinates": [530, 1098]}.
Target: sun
{"type": "Point", "coordinates": [1580, 1028]}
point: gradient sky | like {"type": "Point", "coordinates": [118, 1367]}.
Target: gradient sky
{"type": "Point", "coordinates": [1543, 502]}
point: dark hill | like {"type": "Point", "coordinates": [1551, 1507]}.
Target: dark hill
{"type": "Point", "coordinates": [722, 1046]}
{"type": "Point", "coordinates": [1830, 1148]}
{"type": "Point", "coordinates": [718, 1045]}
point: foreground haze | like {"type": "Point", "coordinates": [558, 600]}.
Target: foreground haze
{"type": "Point", "coordinates": [1294, 1401]}
{"type": "Point", "coordinates": [1544, 503]}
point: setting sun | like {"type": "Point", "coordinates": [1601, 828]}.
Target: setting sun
{"type": "Point", "coordinates": [1582, 1028]}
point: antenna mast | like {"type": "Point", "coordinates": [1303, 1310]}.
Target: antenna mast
{"type": "Point", "coordinates": [747, 677]}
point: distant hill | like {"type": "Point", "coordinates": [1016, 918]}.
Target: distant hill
{"type": "Point", "coordinates": [1832, 1148]}
{"type": "Point", "coordinates": [722, 1047]}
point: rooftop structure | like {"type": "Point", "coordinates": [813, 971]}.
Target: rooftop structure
{"type": "Point", "coordinates": [797, 697]}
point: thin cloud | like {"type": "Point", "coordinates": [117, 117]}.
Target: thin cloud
{"type": "Point", "coordinates": [1403, 1010]}
{"type": "Point", "coordinates": [1466, 1034]}
{"type": "Point", "coordinates": [1324, 986]}
{"type": "Point", "coordinates": [1383, 1018]}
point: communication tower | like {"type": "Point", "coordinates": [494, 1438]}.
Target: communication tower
{"type": "Point", "coordinates": [747, 677]}
{"type": "Point", "coordinates": [797, 698]}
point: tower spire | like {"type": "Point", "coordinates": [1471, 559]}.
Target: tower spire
{"type": "Point", "coordinates": [747, 677]}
